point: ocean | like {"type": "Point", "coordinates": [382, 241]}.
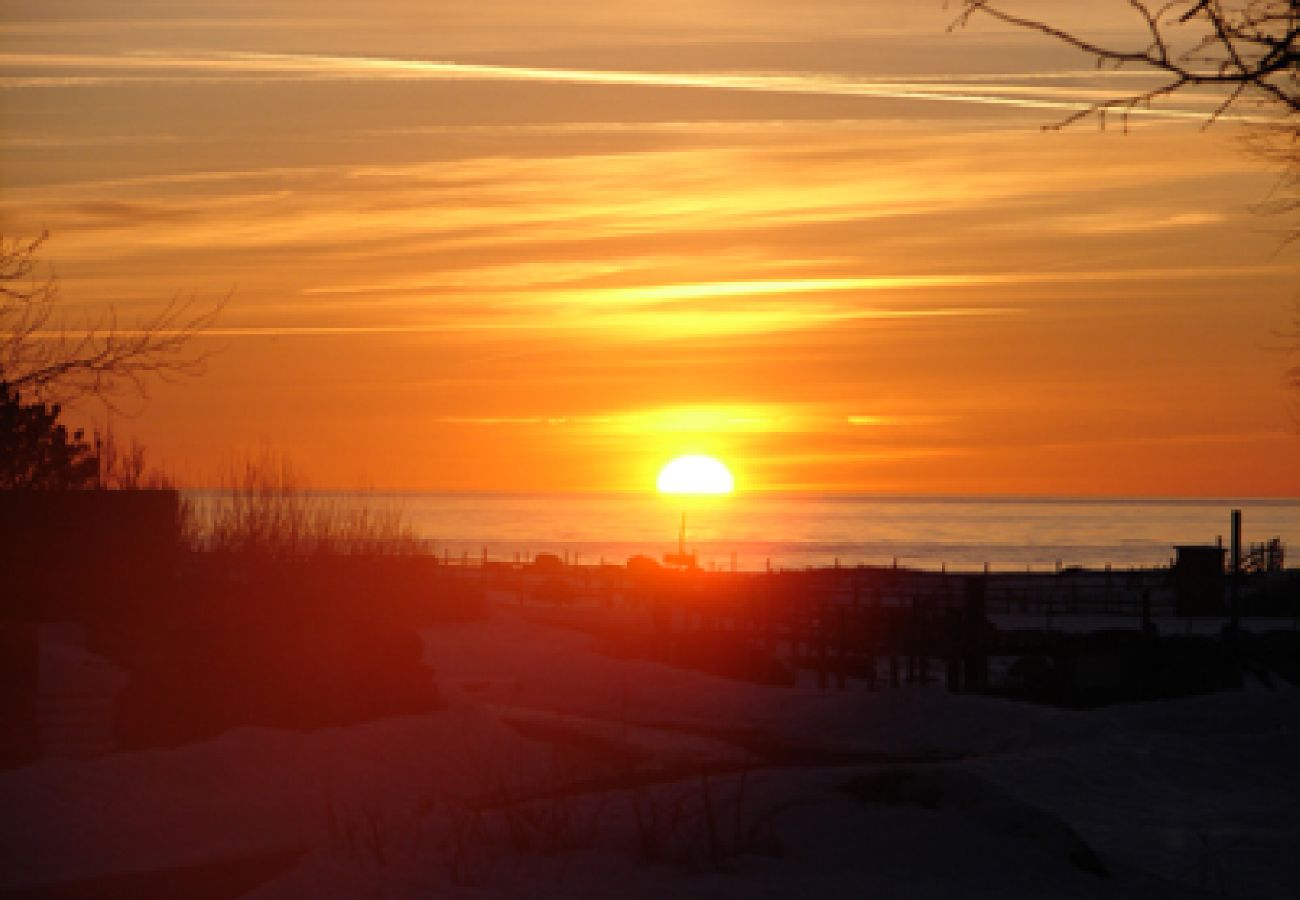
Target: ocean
{"type": "Point", "coordinates": [754, 531]}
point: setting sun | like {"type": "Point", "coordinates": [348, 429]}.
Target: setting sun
{"type": "Point", "coordinates": [695, 475]}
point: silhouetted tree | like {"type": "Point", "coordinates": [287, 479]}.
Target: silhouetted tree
{"type": "Point", "coordinates": [44, 364]}
{"type": "Point", "coordinates": [42, 357]}
{"type": "Point", "coordinates": [1246, 50]}
{"type": "Point", "coordinates": [38, 452]}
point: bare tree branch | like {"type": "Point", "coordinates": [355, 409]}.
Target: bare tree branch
{"type": "Point", "coordinates": [1251, 44]}
{"type": "Point", "coordinates": [44, 357]}
{"type": "Point", "coordinates": [1249, 49]}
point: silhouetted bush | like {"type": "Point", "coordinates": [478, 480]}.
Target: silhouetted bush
{"type": "Point", "coordinates": [268, 509]}
{"type": "Point", "coordinates": [286, 642]}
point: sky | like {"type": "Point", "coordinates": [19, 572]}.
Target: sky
{"type": "Point", "coordinates": [548, 246]}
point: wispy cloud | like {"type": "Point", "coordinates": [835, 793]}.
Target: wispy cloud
{"type": "Point", "coordinates": [645, 295]}
{"type": "Point", "coordinates": [754, 418]}
{"type": "Point", "coordinates": [36, 27]}
{"type": "Point", "coordinates": [307, 66]}
{"type": "Point", "coordinates": [586, 232]}
{"type": "Point", "coordinates": [1138, 221]}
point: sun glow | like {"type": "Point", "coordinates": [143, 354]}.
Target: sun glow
{"type": "Point", "coordinates": [695, 474]}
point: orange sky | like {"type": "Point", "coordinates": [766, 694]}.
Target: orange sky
{"type": "Point", "coordinates": [523, 245]}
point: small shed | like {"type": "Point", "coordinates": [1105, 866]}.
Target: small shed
{"type": "Point", "coordinates": [1198, 577]}
{"type": "Point", "coordinates": [68, 554]}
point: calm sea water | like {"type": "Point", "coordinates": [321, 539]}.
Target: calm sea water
{"type": "Point", "coordinates": [817, 529]}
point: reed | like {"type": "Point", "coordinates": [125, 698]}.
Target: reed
{"type": "Point", "coordinates": [268, 508]}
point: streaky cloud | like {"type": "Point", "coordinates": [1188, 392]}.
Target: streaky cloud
{"type": "Point", "coordinates": [369, 67]}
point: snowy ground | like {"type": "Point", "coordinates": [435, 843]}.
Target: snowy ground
{"type": "Point", "coordinates": [557, 771]}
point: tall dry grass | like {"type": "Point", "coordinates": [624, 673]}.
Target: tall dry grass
{"type": "Point", "coordinates": [268, 508]}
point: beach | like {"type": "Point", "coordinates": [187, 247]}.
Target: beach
{"type": "Point", "coordinates": [797, 530]}
{"type": "Point", "coordinates": [556, 769]}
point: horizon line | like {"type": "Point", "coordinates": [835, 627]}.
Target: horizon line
{"type": "Point", "coordinates": [835, 493]}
